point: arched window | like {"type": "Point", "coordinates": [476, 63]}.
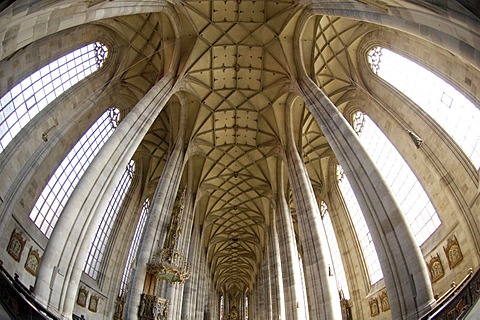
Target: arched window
{"type": "Point", "coordinates": [132, 253]}
{"type": "Point", "coordinates": [335, 256]}
{"type": "Point", "coordinates": [54, 196]}
{"type": "Point", "coordinates": [360, 226]}
{"type": "Point", "coordinates": [408, 191]}
{"type": "Point", "coordinates": [448, 107]}
{"type": "Point", "coordinates": [25, 100]}
{"type": "Point", "coordinates": [222, 307]}
{"type": "Point", "coordinates": [99, 244]}
{"type": "Point", "coordinates": [246, 308]}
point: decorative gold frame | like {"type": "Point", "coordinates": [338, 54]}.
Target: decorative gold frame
{"type": "Point", "coordinates": [82, 297]}
{"type": "Point", "coordinates": [435, 268]}
{"type": "Point", "coordinates": [374, 309]}
{"type": "Point", "coordinates": [16, 245]}
{"type": "Point", "coordinates": [93, 304]}
{"type": "Point", "coordinates": [33, 261]}
{"type": "Point", "coordinates": [453, 252]}
{"type": "Point", "coordinates": [384, 302]}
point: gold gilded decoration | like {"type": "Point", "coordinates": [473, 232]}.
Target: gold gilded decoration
{"type": "Point", "coordinates": [384, 302]}
{"type": "Point", "coordinates": [453, 252]}
{"type": "Point", "coordinates": [93, 304]}
{"type": "Point", "coordinates": [33, 261]}
{"type": "Point", "coordinates": [435, 268]}
{"type": "Point", "coordinates": [169, 264]}
{"type": "Point", "coordinates": [153, 307]}
{"type": "Point", "coordinates": [16, 245]}
{"type": "Point", "coordinates": [82, 297]}
{"type": "Point", "coordinates": [374, 309]}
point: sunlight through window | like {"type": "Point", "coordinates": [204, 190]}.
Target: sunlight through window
{"type": "Point", "coordinates": [25, 100]}
{"type": "Point", "coordinates": [99, 244]}
{"type": "Point", "coordinates": [335, 256]}
{"type": "Point", "coordinates": [54, 196]}
{"type": "Point", "coordinates": [132, 253]}
{"type": "Point", "coordinates": [448, 107]}
{"type": "Point", "coordinates": [408, 191]}
{"type": "Point", "coordinates": [360, 226]}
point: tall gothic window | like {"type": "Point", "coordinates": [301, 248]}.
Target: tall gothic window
{"type": "Point", "coordinates": [246, 308]}
{"type": "Point", "coordinates": [408, 191]}
{"type": "Point", "coordinates": [25, 100]}
{"type": "Point", "coordinates": [335, 256]}
{"type": "Point", "coordinates": [54, 196]}
{"type": "Point", "coordinates": [360, 226]}
{"type": "Point", "coordinates": [222, 307]}
{"type": "Point", "coordinates": [448, 107]}
{"type": "Point", "coordinates": [132, 253]}
{"type": "Point", "coordinates": [99, 244]}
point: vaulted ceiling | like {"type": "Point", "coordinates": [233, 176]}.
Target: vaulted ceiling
{"type": "Point", "coordinates": [236, 76]}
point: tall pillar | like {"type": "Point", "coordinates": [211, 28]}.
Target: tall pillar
{"type": "Point", "coordinates": [322, 295]}
{"type": "Point", "coordinates": [291, 274]}
{"type": "Point", "coordinates": [62, 263]}
{"type": "Point", "coordinates": [406, 279]}
{"type": "Point", "coordinates": [276, 281]}
{"type": "Point", "coordinates": [189, 294]}
{"type": "Point", "coordinates": [158, 218]}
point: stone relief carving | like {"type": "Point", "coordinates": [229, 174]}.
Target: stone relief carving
{"type": "Point", "coordinates": [435, 268]}
{"type": "Point", "coordinates": [82, 297]}
{"type": "Point", "coordinates": [374, 309]}
{"type": "Point", "coordinates": [453, 252]}
{"type": "Point", "coordinates": [384, 302]}
{"type": "Point", "coordinates": [16, 245]}
{"type": "Point", "coordinates": [33, 261]}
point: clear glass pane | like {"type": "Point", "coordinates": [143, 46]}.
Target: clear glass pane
{"type": "Point", "coordinates": [408, 191]}
{"type": "Point", "coordinates": [336, 258]}
{"type": "Point", "coordinates": [42, 87]}
{"type": "Point", "coordinates": [97, 247]}
{"type": "Point", "coordinates": [132, 253]}
{"type": "Point", "coordinates": [54, 196]}
{"type": "Point", "coordinates": [360, 226]}
{"type": "Point", "coordinates": [457, 115]}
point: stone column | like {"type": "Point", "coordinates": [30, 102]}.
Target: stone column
{"type": "Point", "coordinates": [404, 270]}
{"type": "Point", "coordinates": [62, 263]}
{"type": "Point", "coordinates": [158, 220]}
{"type": "Point", "coordinates": [189, 294]}
{"type": "Point", "coordinates": [291, 274]}
{"type": "Point", "coordinates": [276, 279]}
{"type": "Point", "coordinates": [322, 295]}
